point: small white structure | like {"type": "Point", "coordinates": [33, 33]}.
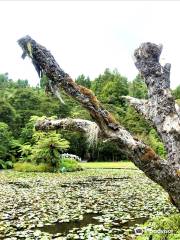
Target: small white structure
{"type": "Point", "coordinates": [67, 155]}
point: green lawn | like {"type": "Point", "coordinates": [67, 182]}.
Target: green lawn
{"type": "Point", "coordinates": [122, 164]}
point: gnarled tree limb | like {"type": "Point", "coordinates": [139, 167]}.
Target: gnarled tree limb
{"type": "Point", "coordinates": [141, 106]}
{"type": "Point", "coordinates": [162, 110]}
{"type": "Point", "coordinates": [160, 100]}
{"type": "Point", "coordinates": [79, 125]}
{"type": "Point", "coordinates": [44, 61]}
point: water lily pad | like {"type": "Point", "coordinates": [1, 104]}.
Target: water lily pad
{"type": "Point", "coordinates": [109, 203]}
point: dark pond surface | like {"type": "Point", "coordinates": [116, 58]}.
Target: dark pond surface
{"type": "Point", "coordinates": [88, 218]}
{"type": "Point", "coordinates": [65, 227]}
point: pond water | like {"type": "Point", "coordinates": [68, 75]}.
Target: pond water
{"type": "Point", "coordinates": [92, 204]}
{"type": "Point", "coordinates": [89, 218]}
{"type": "Point", "coordinates": [65, 227]}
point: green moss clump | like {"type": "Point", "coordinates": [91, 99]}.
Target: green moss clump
{"type": "Point", "coordinates": [162, 228]}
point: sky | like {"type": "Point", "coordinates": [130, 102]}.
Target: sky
{"type": "Point", "coordinates": [86, 37]}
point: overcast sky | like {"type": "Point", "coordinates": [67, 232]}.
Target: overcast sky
{"type": "Point", "coordinates": [86, 37]}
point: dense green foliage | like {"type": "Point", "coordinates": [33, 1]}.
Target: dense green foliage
{"type": "Point", "coordinates": [31, 167]}
{"type": "Point", "coordinates": [48, 147]}
{"type": "Point", "coordinates": [162, 228]}
{"type": "Point", "coordinates": [176, 92]}
{"type": "Point", "coordinates": [110, 86]}
{"type": "Point", "coordinates": [42, 147]}
{"type": "Point", "coordinates": [138, 88]}
{"type": "Point", "coordinates": [69, 165]}
{"type": "Point", "coordinates": [19, 102]}
{"type": "Point", "coordinates": [6, 146]}
{"type": "Point", "coordinates": [156, 144]}
{"type": "Point", "coordinates": [83, 81]}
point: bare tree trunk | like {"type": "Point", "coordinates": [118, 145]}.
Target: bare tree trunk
{"type": "Point", "coordinates": [160, 110]}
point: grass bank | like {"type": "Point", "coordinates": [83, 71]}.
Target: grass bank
{"type": "Point", "coordinates": [112, 165]}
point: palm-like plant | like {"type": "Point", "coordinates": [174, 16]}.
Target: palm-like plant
{"type": "Point", "coordinates": [48, 147]}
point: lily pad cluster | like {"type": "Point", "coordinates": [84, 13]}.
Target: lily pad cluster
{"type": "Point", "coordinates": [92, 204]}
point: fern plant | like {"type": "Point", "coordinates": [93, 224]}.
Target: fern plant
{"type": "Point", "coordinates": [48, 147]}
{"type": "Point", "coordinates": [42, 147]}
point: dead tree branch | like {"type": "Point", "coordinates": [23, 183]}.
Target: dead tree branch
{"type": "Point", "coordinates": [79, 125]}
{"type": "Point", "coordinates": [161, 111]}
{"type": "Point", "coordinates": [140, 105]}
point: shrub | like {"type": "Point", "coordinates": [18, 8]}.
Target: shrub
{"type": "Point", "coordinates": [25, 151]}
{"type": "Point", "coordinates": [30, 167]}
{"type": "Point", "coordinates": [6, 140]}
{"type": "Point", "coordinates": [42, 147]}
{"type": "Point", "coordinates": [69, 165]}
{"type": "Point", "coordinates": [48, 147]}
{"type": "Point", "coordinates": [162, 228]}
{"type": "Point", "coordinates": [5, 164]}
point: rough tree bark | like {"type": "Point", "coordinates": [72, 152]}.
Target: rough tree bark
{"type": "Point", "coordinates": [159, 109]}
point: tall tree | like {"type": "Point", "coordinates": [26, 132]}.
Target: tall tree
{"type": "Point", "coordinates": [26, 102]}
{"type": "Point", "coordinates": [138, 88]}
{"type": "Point", "coordinates": [7, 114]}
{"type": "Point", "coordinates": [4, 80]}
{"type": "Point", "coordinates": [84, 81]}
{"type": "Point", "coordinates": [159, 109]}
{"type": "Point", "coordinates": [22, 83]}
{"type": "Point", "coordinates": [109, 86]}
{"type": "Point", "coordinates": [6, 140]}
